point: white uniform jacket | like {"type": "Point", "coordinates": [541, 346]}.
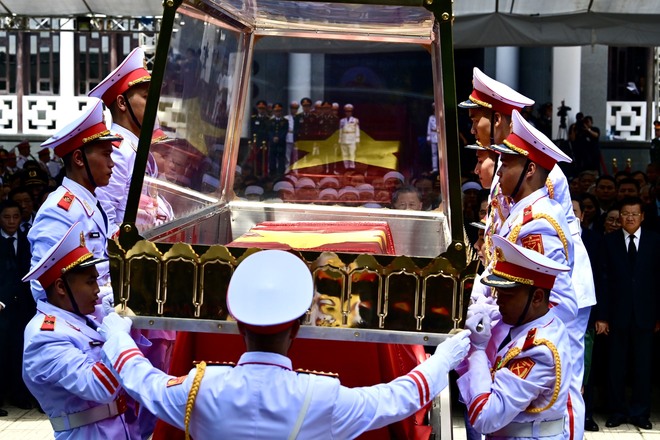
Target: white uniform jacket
{"type": "Point", "coordinates": [583, 278]}
{"type": "Point", "coordinates": [263, 398]}
{"type": "Point", "coordinates": [349, 130]}
{"type": "Point", "coordinates": [68, 204]}
{"type": "Point", "coordinates": [113, 197]}
{"type": "Point", "coordinates": [500, 394]}
{"type": "Point", "coordinates": [62, 368]}
{"type": "Point", "coordinates": [432, 130]}
{"type": "Point", "coordinates": [538, 222]}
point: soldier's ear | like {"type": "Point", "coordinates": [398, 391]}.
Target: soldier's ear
{"type": "Point", "coordinates": [77, 158]}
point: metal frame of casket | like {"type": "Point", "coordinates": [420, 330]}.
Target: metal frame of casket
{"type": "Point", "coordinates": [174, 275]}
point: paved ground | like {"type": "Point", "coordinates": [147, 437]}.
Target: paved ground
{"type": "Point", "coordinates": [32, 425]}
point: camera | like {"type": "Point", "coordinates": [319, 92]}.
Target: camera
{"type": "Point", "coordinates": [562, 113]}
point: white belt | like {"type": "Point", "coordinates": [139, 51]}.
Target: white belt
{"type": "Point", "coordinates": [531, 429]}
{"type": "Point", "coordinates": [89, 416]}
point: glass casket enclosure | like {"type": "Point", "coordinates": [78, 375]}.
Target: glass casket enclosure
{"type": "Point", "coordinates": [235, 175]}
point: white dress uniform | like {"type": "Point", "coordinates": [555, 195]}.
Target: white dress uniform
{"type": "Point", "coordinates": [522, 390]}
{"type": "Point", "coordinates": [263, 398]}
{"type": "Point", "coordinates": [540, 223]}
{"type": "Point", "coordinates": [499, 404]}
{"type": "Point", "coordinates": [62, 365]}
{"type": "Point", "coordinates": [62, 368]}
{"type": "Point", "coordinates": [545, 235]}
{"type": "Point", "coordinates": [432, 138]}
{"type": "Point", "coordinates": [349, 137]}
{"type": "Point", "coordinates": [68, 204]}
{"type": "Point", "coordinates": [114, 196]}
{"type": "Point", "coordinates": [290, 143]}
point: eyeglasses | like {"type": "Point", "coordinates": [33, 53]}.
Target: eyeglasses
{"type": "Point", "coordinates": [631, 214]}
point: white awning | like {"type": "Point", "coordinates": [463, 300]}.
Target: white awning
{"type": "Point", "coordinates": [478, 23]}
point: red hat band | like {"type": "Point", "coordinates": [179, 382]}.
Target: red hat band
{"type": "Point", "coordinates": [533, 153]}
{"type": "Point", "coordinates": [78, 255]}
{"type": "Point", "coordinates": [86, 136]}
{"type": "Point", "coordinates": [137, 76]}
{"type": "Point", "coordinates": [481, 98]}
{"type": "Point", "coordinates": [523, 275]}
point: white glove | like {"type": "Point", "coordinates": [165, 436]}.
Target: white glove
{"type": "Point", "coordinates": [484, 308]}
{"type": "Point", "coordinates": [480, 327]}
{"type": "Point", "coordinates": [113, 323]}
{"type": "Point", "coordinates": [483, 299]}
{"type": "Point", "coordinates": [454, 349]}
{"type": "Point", "coordinates": [108, 303]}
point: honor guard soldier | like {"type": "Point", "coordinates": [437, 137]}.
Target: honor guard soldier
{"type": "Point", "coordinates": [538, 222]}
{"type": "Point", "coordinates": [62, 358]}
{"type": "Point", "coordinates": [124, 92]}
{"type": "Point", "coordinates": [277, 133]}
{"type": "Point", "coordinates": [85, 147]}
{"type": "Point", "coordinates": [262, 397]}
{"type": "Point", "coordinates": [504, 100]}
{"type": "Point", "coordinates": [349, 137]}
{"type": "Point", "coordinates": [490, 106]}
{"type": "Point", "coordinates": [522, 393]}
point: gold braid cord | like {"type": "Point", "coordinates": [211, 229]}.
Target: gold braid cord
{"type": "Point", "coordinates": [513, 236]}
{"type": "Point", "coordinates": [192, 395]}
{"type": "Point", "coordinates": [551, 188]}
{"type": "Point", "coordinates": [515, 351]}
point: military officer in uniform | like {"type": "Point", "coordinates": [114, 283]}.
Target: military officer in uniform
{"type": "Point", "coordinates": [62, 358]}
{"type": "Point", "coordinates": [85, 146]}
{"type": "Point", "coordinates": [262, 397]}
{"type": "Point", "coordinates": [278, 128]}
{"type": "Point", "coordinates": [522, 393]}
{"type": "Point", "coordinates": [349, 137]}
{"type": "Point", "coordinates": [124, 92]}
{"type": "Point", "coordinates": [306, 127]}
{"type": "Point", "coordinates": [291, 156]}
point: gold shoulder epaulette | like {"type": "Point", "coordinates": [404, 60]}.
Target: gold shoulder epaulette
{"type": "Point", "coordinates": [318, 373]}
{"type": "Point", "coordinates": [212, 363]}
{"type": "Point", "coordinates": [49, 323]}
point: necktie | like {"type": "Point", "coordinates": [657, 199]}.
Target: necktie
{"type": "Point", "coordinates": [506, 340]}
{"type": "Point", "coordinates": [632, 250]}
{"type": "Point", "coordinates": [12, 250]}
{"type": "Point", "coordinates": [105, 217]}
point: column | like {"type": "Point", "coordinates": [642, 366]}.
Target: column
{"type": "Point", "coordinates": [300, 76]}
{"type": "Point", "coordinates": [506, 66]}
{"type": "Point", "coordinates": [565, 84]}
{"type": "Point", "coordinates": [67, 61]}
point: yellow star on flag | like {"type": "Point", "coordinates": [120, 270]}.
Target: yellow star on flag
{"type": "Point", "coordinates": [369, 151]}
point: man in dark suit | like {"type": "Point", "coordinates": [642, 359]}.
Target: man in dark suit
{"type": "Point", "coordinates": [630, 313]}
{"type": "Point", "coordinates": [17, 306]}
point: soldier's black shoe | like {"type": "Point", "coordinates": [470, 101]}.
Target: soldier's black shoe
{"type": "Point", "coordinates": [615, 420]}
{"type": "Point", "coordinates": [3, 413]}
{"type": "Point", "coordinates": [641, 422]}
{"type": "Point", "coordinates": [590, 425]}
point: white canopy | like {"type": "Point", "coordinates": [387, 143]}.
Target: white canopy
{"type": "Point", "coordinates": [478, 23]}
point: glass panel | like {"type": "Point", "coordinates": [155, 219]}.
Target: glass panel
{"type": "Point", "coordinates": [362, 81]}
{"type": "Point", "coordinates": [193, 113]}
